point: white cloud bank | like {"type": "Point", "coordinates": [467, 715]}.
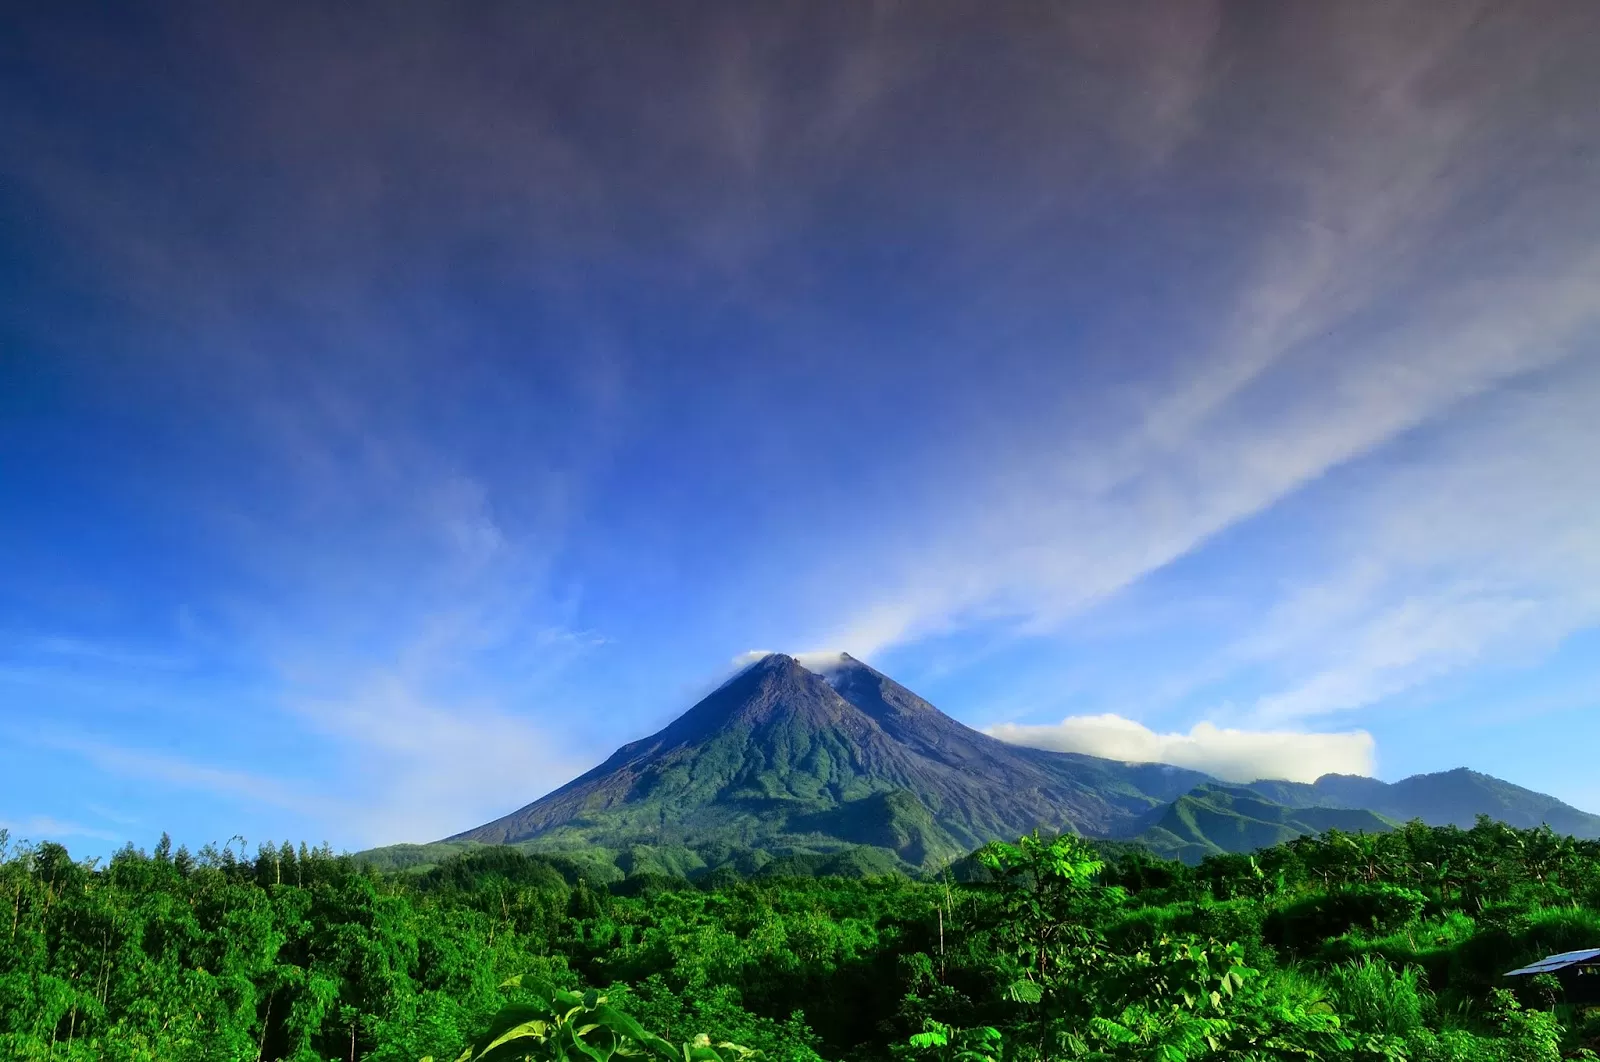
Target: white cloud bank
{"type": "Point", "coordinates": [1231, 755]}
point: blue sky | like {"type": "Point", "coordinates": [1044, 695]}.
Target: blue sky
{"type": "Point", "coordinates": [401, 407]}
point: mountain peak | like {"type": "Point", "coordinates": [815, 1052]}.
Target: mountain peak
{"type": "Point", "coordinates": [811, 752]}
{"type": "Point", "coordinates": [818, 663]}
{"type": "Point", "coordinates": [819, 748]}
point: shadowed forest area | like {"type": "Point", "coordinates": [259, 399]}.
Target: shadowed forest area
{"type": "Point", "coordinates": [1342, 946]}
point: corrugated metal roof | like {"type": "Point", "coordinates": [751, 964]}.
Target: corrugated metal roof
{"type": "Point", "coordinates": [1552, 963]}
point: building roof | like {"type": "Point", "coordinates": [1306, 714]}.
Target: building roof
{"type": "Point", "coordinates": [1552, 963]}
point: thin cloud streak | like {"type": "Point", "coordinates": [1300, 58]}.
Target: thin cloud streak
{"type": "Point", "coordinates": [150, 765]}
{"type": "Point", "coordinates": [79, 650]}
{"type": "Point", "coordinates": [1481, 547]}
{"type": "Point", "coordinates": [1359, 328]}
{"type": "Point", "coordinates": [429, 766]}
{"type": "Point", "coordinates": [47, 828]}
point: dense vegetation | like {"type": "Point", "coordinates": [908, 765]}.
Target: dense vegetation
{"type": "Point", "coordinates": [1343, 946]}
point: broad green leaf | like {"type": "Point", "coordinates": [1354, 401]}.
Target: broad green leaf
{"type": "Point", "coordinates": [621, 1024]}
{"type": "Point", "coordinates": [1025, 992]}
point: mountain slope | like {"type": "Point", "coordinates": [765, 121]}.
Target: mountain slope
{"type": "Point", "coordinates": [1216, 818]}
{"type": "Point", "coordinates": [810, 764]}
{"type": "Point", "coordinates": [1448, 798]}
{"type": "Point", "coordinates": [793, 760]}
{"type": "Point", "coordinates": [1458, 797]}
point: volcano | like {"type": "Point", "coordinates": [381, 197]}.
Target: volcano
{"type": "Point", "coordinates": [830, 760]}
{"type": "Point", "coordinates": [808, 758]}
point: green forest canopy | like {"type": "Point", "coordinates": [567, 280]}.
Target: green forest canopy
{"type": "Point", "coordinates": [1341, 946]}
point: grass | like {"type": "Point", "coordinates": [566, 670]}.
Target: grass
{"type": "Point", "coordinates": [1378, 998]}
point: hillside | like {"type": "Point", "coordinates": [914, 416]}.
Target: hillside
{"type": "Point", "coordinates": [1447, 798]}
{"type": "Point", "coordinates": [796, 761]}
{"type": "Point", "coordinates": [1217, 818]}
{"type": "Point", "coordinates": [1457, 798]}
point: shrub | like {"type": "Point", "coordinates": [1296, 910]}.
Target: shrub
{"type": "Point", "coordinates": [1376, 998]}
{"type": "Point", "coordinates": [1305, 923]}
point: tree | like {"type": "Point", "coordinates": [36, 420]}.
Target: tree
{"type": "Point", "coordinates": [1049, 901]}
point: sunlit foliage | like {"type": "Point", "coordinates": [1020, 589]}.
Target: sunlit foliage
{"type": "Point", "coordinates": [1343, 946]}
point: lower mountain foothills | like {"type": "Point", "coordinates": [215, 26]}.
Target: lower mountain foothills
{"type": "Point", "coordinates": [1214, 818]}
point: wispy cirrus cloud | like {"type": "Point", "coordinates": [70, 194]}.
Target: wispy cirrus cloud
{"type": "Point", "coordinates": [79, 650]}
{"type": "Point", "coordinates": [430, 764]}
{"type": "Point", "coordinates": [153, 765]}
{"type": "Point", "coordinates": [48, 828]}
{"type": "Point", "coordinates": [1382, 303]}
{"type": "Point", "coordinates": [1477, 547]}
{"type": "Point", "coordinates": [810, 330]}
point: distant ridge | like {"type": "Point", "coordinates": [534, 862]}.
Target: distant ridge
{"type": "Point", "coordinates": [835, 765]}
{"type": "Point", "coordinates": [1447, 798]}
{"type": "Point", "coordinates": [1217, 818]}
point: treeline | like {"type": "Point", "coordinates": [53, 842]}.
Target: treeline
{"type": "Point", "coordinates": [1387, 946]}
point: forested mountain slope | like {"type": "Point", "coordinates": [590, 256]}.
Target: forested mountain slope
{"type": "Point", "coordinates": [839, 762]}
{"type": "Point", "coordinates": [1216, 818]}
{"type": "Point", "coordinates": [1448, 798]}
{"type": "Point", "coordinates": [782, 757]}
{"type": "Point", "coordinates": [1457, 798]}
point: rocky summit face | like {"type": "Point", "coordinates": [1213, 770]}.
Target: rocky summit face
{"type": "Point", "coordinates": [789, 756]}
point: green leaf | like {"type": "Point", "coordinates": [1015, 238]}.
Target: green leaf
{"type": "Point", "coordinates": [516, 1020]}
{"type": "Point", "coordinates": [622, 1024]}
{"type": "Point", "coordinates": [1025, 992]}
{"type": "Point", "coordinates": [515, 1040]}
{"type": "Point", "coordinates": [592, 1051]}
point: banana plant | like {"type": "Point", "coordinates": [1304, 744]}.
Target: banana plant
{"type": "Point", "coordinates": [556, 1025]}
{"type": "Point", "coordinates": [938, 1042]}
